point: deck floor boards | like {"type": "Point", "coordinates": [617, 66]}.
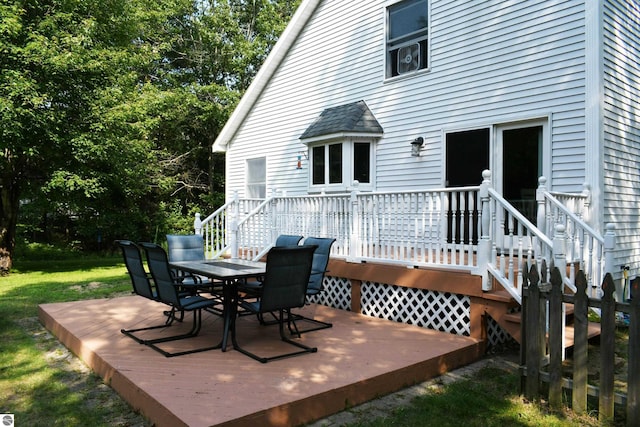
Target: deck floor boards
{"type": "Point", "coordinates": [359, 359]}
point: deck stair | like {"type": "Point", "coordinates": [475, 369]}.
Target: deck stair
{"type": "Point", "coordinates": [505, 311]}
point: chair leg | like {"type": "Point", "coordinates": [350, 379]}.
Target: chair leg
{"type": "Point", "coordinates": [171, 316]}
{"type": "Point", "coordinates": [305, 349]}
{"type": "Point", "coordinates": [320, 323]}
{"type": "Point", "coordinates": [130, 332]}
{"type": "Point", "coordinates": [195, 329]}
{"type": "Point", "coordinates": [265, 322]}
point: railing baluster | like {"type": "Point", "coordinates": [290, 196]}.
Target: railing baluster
{"type": "Point", "coordinates": [436, 227]}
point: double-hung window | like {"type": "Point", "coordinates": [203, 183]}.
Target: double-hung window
{"type": "Point", "coordinates": [407, 37]}
{"type": "Point", "coordinates": [256, 178]}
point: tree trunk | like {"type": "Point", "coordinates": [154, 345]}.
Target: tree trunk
{"type": "Point", "coordinates": [9, 203]}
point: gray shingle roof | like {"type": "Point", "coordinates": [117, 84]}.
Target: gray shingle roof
{"type": "Point", "coordinates": [352, 118]}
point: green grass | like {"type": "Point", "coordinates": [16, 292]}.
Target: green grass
{"type": "Point", "coordinates": [38, 384]}
{"type": "Point", "coordinates": [489, 398]}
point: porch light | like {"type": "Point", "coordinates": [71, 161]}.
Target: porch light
{"type": "Point", "coordinates": [301, 154]}
{"type": "Point", "coordinates": [416, 145]}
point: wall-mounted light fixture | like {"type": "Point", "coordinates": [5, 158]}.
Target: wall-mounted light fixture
{"type": "Point", "coordinates": [416, 145]}
{"type": "Point", "coordinates": [300, 155]}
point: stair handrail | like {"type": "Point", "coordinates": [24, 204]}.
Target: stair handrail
{"type": "Point", "coordinates": [215, 228]}
{"type": "Point", "coordinates": [584, 247]}
{"type": "Point", "coordinates": [502, 253]}
{"type": "Point", "coordinates": [253, 231]}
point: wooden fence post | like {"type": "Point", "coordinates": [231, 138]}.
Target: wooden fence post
{"type": "Point", "coordinates": [581, 344]}
{"type": "Point", "coordinates": [556, 345]}
{"type": "Point", "coordinates": [534, 352]}
{"type": "Point", "coordinates": [607, 350]}
{"type": "Point", "coordinates": [523, 324]}
{"type": "Point", "coordinates": [633, 364]}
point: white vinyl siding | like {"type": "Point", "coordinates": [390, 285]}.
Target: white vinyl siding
{"type": "Point", "coordinates": [621, 124]}
{"type": "Point", "coordinates": [491, 62]}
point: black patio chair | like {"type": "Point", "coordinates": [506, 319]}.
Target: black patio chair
{"type": "Point", "coordinates": [191, 248]}
{"type": "Point", "coordinates": [288, 240]}
{"type": "Point", "coordinates": [142, 285]}
{"type": "Point", "coordinates": [253, 288]}
{"type": "Point", "coordinates": [316, 281]}
{"type": "Point", "coordinates": [284, 287]}
{"type": "Point", "coordinates": [168, 293]}
{"type": "Point", "coordinates": [140, 279]}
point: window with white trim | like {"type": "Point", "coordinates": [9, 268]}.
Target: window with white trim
{"type": "Point", "coordinates": [336, 165]}
{"type": "Point", "coordinates": [407, 37]}
{"type": "Point", "coordinates": [257, 178]}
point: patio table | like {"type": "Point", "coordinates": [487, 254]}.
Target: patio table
{"type": "Point", "coordinates": [230, 272]}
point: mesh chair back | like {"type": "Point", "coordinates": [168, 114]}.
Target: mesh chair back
{"type": "Point", "coordinates": [135, 268]}
{"type": "Point", "coordinates": [185, 247]}
{"type": "Point", "coordinates": [158, 264]}
{"type": "Point", "coordinates": [320, 262]}
{"type": "Point", "coordinates": [286, 277]}
{"type": "Point", "coordinates": [287, 240]}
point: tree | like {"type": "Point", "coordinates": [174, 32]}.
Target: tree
{"type": "Point", "coordinates": [210, 60]}
{"type": "Point", "coordinates": [63, 63]}
{"type": "Point", "coordinates": [109, 108]}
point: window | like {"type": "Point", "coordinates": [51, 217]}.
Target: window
{"type": "Point", "coordinates": [257, 178]}
{"type": "Point", "coordinates": [334, 166]}
{"type": "Point", "coordinates": [407, 37]}
{"type": "Point", "coordinates": [362, 162]}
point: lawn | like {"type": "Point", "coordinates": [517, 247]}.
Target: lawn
{"type": "Point", "coordinates": [43, 385]}
{"type": "Point", "coordinates": [40, 382]}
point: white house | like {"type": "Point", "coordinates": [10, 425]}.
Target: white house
{"type": "Point", "coordinates": [411, 95]}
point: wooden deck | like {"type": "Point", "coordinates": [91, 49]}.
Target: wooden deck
{"type": "Point", "coordinates": [359, 359]}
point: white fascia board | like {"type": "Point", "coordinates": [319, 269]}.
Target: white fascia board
{"type": "Point", "coordinates": [339, 136]}
{"type": "Point", "coordinates": [267, 70]}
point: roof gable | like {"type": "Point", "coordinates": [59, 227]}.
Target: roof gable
{"type": "Point", "coordinates": [266, 72]}
{"type": "Point", "coordinates": [353, 118]}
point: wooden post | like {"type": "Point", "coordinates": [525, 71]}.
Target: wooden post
{"type": "Point", "coordinates": [197, 225]}
{"type": "Point", "coordinates": [534, 351]}
{"type": "Point", "coordinates": [609, 247]}
{"type": "Point", "coordinates": [586, 207]}
{"type": "Point", "coordinates": [580, 346]}
{"type": "Point", "coordinates": [556, 345]}
{"type": "Point", "coordinates": [354, 238]}
{"type": "Point", "coordinates": [272, 218]}
{"type": "Point", "coordinates": [607, 350]}
{"type": "Point", "coordinates": [233, 226]}
{"type": "Point", "coordinates": [559, 246]}
{"type": "Point", "coordinates": [356, 296]}
{"type": "Point", "coordinates": [633, 364]}
{"type": "Point", "coordinates": [484, 244]}
{"type": "Point", "coordinates": [523, 324]}
{"type": "Point", "coordinates": [541, 219]}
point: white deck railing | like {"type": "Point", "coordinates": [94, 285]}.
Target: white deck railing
{"type": "Point", "coordinates": [583, 248]}
{"type": "Point", "coordinates": [469, 228]}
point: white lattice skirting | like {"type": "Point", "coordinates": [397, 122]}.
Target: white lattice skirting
{"type": "Point", "coordinates": [337, 294]}
{"type": "Point", "coordinates": [433, 310]}
{"type": "Point", "coordinates": [442, 311]}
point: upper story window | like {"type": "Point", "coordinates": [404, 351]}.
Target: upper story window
{"type": "Point", "coordinates": [336, 165]}
{"type": "Point", "coordinates": [407, 37]}
{"type": "Point", "coordinates": [257, 178]}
